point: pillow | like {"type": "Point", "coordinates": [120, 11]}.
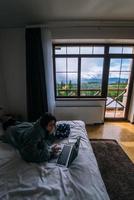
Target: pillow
{"type": "Point", "coordinates": [62, 131]}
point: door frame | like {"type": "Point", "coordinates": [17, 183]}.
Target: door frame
{"type": "Point", "coordinates": [130, 88]}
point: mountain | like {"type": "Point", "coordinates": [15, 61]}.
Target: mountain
{"type": "Point", "coordinates": [95, 79]}
{"type": "Point", "coordinates": [116, 80]}
{"type": "Point", "coordinates": [111, 80]}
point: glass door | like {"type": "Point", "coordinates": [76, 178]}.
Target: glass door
{"type": "Point", "coordinates": [118, 84]}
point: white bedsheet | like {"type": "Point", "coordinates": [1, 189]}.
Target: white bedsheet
{"type": "Point", "coordinates": [28, 181]}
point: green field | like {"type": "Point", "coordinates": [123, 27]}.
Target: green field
{"type": "Point", "coordinates": [115, 90]}
{"type": "Point", "coordinates": [90, 89]}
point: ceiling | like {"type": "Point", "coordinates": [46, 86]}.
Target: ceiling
{"type": "Point", "coordinates": [18, 13]}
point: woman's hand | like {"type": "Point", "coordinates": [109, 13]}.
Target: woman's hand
{"type": "Point", "coordinates": [56, 148]}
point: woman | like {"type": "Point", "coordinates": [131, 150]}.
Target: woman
{"type": "Point", "coordinates": [33, 140]}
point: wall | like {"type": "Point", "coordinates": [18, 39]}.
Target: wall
{"type": "Point", "coordinates": [3, 94]}
{"type": "Point", "coordinates": [131, 110]}
{"type": "Point", "coordinates": [90, 111]}
{"type": "Point", "coordinates": [124, 33]}
{"type": "Point", "coordinates": [13, 68]}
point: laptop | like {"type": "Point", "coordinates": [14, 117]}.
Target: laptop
{"type": "Point", "coordinates": [68, 153]}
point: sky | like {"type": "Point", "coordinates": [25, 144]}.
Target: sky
{"type": "Point", "coordinates": [91, 67]}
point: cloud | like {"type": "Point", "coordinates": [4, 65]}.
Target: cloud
{"type": "Point", "coordinates": [118, 64]}
{"type": "Point", "coordinates": [91, 68]}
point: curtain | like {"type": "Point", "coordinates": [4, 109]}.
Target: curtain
{"type": "Point", "coordinates": [35, 75]}
{"type": "Point", "coordinates": [48, 62]}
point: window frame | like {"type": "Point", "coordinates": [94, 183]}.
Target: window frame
{"type": "Point", "coordinates": [106, 65]}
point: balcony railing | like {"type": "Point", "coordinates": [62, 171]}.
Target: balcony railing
{"type": "Point", "coordinates": [112, 98]}
{"type": "Point", "coordinates": [98, 91]}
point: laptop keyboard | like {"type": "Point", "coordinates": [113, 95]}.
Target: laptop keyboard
{"type": "Point", "coordinates": [62, 159]}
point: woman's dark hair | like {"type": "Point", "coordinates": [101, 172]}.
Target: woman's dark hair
{"type": "Point", "coordinates": [46, 118]}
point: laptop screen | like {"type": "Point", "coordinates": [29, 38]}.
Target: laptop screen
{"type": "Point", "coordinates": [74, 151]}
{"type": "Point", "coordinates": [68, 154]}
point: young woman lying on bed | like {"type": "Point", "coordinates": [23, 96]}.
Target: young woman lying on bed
{"type": "Point", "coordinates": [33, 140]}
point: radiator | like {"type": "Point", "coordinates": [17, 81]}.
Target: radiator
{"type": "Point", "coordinates": [90, 114]}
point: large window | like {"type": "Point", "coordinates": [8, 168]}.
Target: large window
{"type": "Point", "coordinates": [92, 70]}
{"type": "Point", "coordinates": [78, 70]}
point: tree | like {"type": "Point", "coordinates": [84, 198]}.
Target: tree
{"type": "Point", "coordinates": [62, 84]}
{"type": "Point", "coordinates": [70, 85]}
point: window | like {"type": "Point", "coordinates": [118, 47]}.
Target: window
{"type": "Point", "coordinates": [118, 82]}
{"type": "Point", "coordinates": [121, 50]}
{"type": "Point", "coordinates": [91, 76]}
{"type": "Point", "coordinates": [67, 76]}
{"type": "Point", "coordinates": [81, 70]}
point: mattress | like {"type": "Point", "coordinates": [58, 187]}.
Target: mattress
{"type": "Point", "coordinates": [20, 180]}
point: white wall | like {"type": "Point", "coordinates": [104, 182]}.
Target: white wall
{"type": "Point", "coordinates": [13, 68]}
{"type": "Point", "coordinates": [90, 111]}
{"type": "Point", "coordinates": [92, 32]}
{"type": "Point", "coordinates": [131, 110]}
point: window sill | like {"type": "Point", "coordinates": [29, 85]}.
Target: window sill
{"type": "Point", "coordinates": [80, 99]}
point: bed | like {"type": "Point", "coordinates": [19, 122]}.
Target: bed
{"type": "Point", "coordinates": [47, 181]}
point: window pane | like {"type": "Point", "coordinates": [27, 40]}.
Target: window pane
{"type": "Point", "coordinates": [127, 50]}
{"type": "Point", "coordinates": [113, 84]}
{"type": "Point", "coordinates": [91, 50]}
{"type": "Point", "coordinates": [91, 76]}
{"type": "Point", "coordinates": [124, 77]}
{"type": "Point", "coordinates": [61, 93]}
{"type": "Point", "coordinates": [71, 84]}
{"type": "Point", "coordinates": [61, 79]}
{"type": "Point", "coordinates": [72, 64]}
{"type": "Point", "coordinates": [121, 50]}
{"type": "Point", "coordinates": [72, 50]}
{"type": "Point", "coordinates": [126, 64]}
{"type": "Point", "coordinates": [92, 66]}
{"type": "Point", "coordinates": [72, 93]}
{"type": "Point", "coordinates": [72, 81]}
{"type": "Point", "coordinates": [113, 78]}
{"type": "Point", "coordinates": [98, 50]}
{"type": "Point", "coordinates": [86, 50]}
{"type": "Point", "coordinates": [89, 93]}
{"type": "Point", "coordinates": [112, 92]}
{"type": "Point", "coordinates": [123, 87]}
{"type": "Point", "coordinates": [115, 64]}
{"type": "Point", "coordinates": [119, 112]}
{"type": "Point", "coordinates": [115, 50]}
{"type": "Point", "coordinates": [110, 111]}
{"type": "Point", "coordinates": [60, 50]}
{"type": "Point", "coordinates": [60, 64]}
{"type": "Point", "coordinates": [88, 83]}
{"type": "Point", "coordinates": [61, 84]}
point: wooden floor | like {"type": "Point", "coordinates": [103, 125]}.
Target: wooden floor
{"type": "Point", "coordinates": [123, 132]}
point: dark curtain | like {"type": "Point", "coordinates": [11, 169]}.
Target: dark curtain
{"type": "Point", "coordinates": [35, 75]}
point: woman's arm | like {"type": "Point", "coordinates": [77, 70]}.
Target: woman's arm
{"type": "Point", "coordinates": [35, 153]}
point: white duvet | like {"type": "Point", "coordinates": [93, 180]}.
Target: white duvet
{"type": "Point", "coordinates": [47, 181]}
